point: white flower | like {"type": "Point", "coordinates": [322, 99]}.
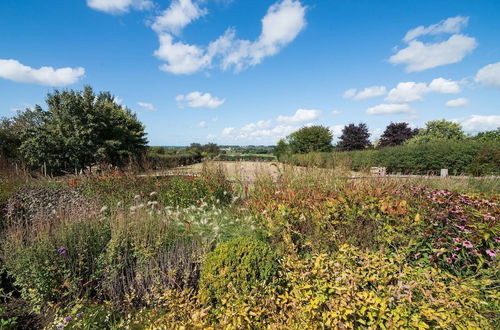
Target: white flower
{"type": "Point", "coordinates": [104, 209]}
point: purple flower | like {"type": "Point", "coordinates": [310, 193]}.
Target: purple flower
{"type": "Point", "coordinates": [67, 319]}
{"type": "Point", "coordinates": [467, 244]}
{"type": "Point", "coordinates": [62, 251]}
{"type": "Point", "coordinates": [79, 315]}
{"type": "Point", "coordinates": [491, 253]}
{"type": "Point", "coordinates": [60, 326]}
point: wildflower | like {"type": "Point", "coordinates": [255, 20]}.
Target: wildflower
{"type": "Point", "coordinates": [497, 239]}
{"type": "Point", "coordinates": [152, 194]}
{"type": "Point", "coordinates": [67, 319]}
{"type": "Point", "coordinates": [425, 234]}
{"type": "Point", "coordinates": [454, 256]}
{"type": "Point", "coordinates": [449, 260]}
{"type": "Point", "coordinates": [467, 244]}
{"type": "Point", "coordinates": [60, 326]}
{"type": "Point", "coordinates": [104, 209]}
{"type": "Point", "coordinates": [491, 253]}
{"type": "Point", "coordinates": [456, 248]}
{"type": "Point", "coordinates": [62, 251]}
{"type": "Point", "coordinates": [456, 240]}
{"type": "Point", "coordinates": [431, 257]}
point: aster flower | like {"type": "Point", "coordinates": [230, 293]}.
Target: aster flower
{"type": "Point", "coordinates": [467, 244]}
{"type": "Point", "coordinates": [62, 251]}
{"type": "Point", "coordinates": [67, 319]}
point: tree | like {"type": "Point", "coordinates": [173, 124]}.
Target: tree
{"type": "Point", "coordinates": [281, 149]}
{"type": "Point", "coordinates": [493, 136]}
{"type": "Point", "coordinates": [310, 139]}
{"type": "Point", "coordinates": [396, 134]}
{"type": "Point", "coordinates": [354, 137]}
{"type": "Point", "coordinates": [79, 129]}
{"type": "Point", "coordinates": [439, 130]}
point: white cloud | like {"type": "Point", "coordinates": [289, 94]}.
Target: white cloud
{"type": "Point", "coordinates": [336, 112]}
{"type": "Point", "coordinates": [350, 93]}
{"type": "Point", "coordinates": [147, 106]}
{"type": "Point", "coordinates": [336, 130]}
{"type": "Point", "coordinates": [261, 124]}
{"type": "Point", "coordinates": [411, 91]}
{"type": "Point", "coordinates": [46, 75]}
{"type": "Point", "coordinates": [419, 56]}
{"type": "Point", "coordinates": [457, 103]}
{"type": "Point", "coordinates": [203, 124]}
{"type": "Point", "coordinates": [118, 6]}
{"type": "Point", "coordinates": [444, 86]}
{"type": "Point", "coordinates": [300, 116]}
{"type": "Point", "coordinates": [366, 93]}
{"type": "Point", "coordinates": [177, 16]}
{"type": "Point", "coordinates": [282, 23]}
{"type": "Point", "coordinates": [211, 136]}
{"type": "Point", "coordinates": [181, 58]}
{"type": "Point", "coordinates": [215, 118]}
{"type": "Point", "coordinates": [477, 123]}
{"type": "Point", "coordinates": [200, 100]}
{"type": "Point", "coordinates": [118, 100]}
{"type": "Point", "coordinates": [489, 75]}
{"type": "Point", "coordinates": [450, 26]}
{"type": "Point", "coordinates": [383, 109]}
{"type": "Point", "coordinates": [228, 131]}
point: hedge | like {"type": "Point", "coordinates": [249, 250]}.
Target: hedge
{"type": "Point", "coordinates": [467, 157]}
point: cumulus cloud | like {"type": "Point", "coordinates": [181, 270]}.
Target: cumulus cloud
{"type": "Point", "coordinates": [282, 23]}
{"type": "Point", "coordinates": [477, 123]}
{"type": "Point", "coordinates": [336, 130]}
{"type": "Point", "coordinates": [457, 103]}
{"type": "Point", "coordinates": [450, 26]}
{"type": "Point", "coordinates": [119, 6]}
{"type": "Point", "coordinates": [177, 16]}
{"type": "Point", "coordinates": [489, 75]}
{"type": "Point", "coordinates": [202, 124]}
{"type": "Point", "coordinates": [181, 58]}
{"type": "Point", "coordinates": [419, 56]}
{"type": "Point", "coordinates": [146, 106]}
{"type": "Point", "coordinates": [300, 116]}
{"type": "Point", "coordinates": [228, 131]}
{"type": "Point", "coordinates": [411, 91]}
{"type": "Point", "coordinates": [366, 93]}
{"type": "Point", "coordinates": [46, 75]}
{"type": "Point", "coordinates": [384, 109]}
{"type": "Point", "coordinates": [199, 100]}
{"type": "Point", "coordinates": [261, 124]}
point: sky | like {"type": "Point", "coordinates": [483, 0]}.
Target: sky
{"type": "Point", "coordinates": [251, 72]}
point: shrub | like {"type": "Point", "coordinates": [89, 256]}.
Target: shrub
{"type": "Point", "coordinates": [56, 262]}
{"type": "Point", "coordinates": [237, 265]}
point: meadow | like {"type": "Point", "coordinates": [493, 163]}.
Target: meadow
{"type": "Point", "coordinates": [279, 249]}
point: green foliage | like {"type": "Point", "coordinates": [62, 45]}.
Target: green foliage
{"type": "Point", "coordinates": [439, 130]}
{"type": "Point", "coordinates": [282, 149]}
{"type": "Point", "coordinates": [465, 157]}
{"type": "Point", "coordinates": [77, 130]}
{"type": "Point", "coordinates": [247, 157]}
{"type": "Point", "coordinates": [354, 137]}
{"type": "Point", "coordinates": [55, 264]}
{"type": "Point", "coordinates": [237, 265]}
{"type": "Point", "coordinates": [310, 139]}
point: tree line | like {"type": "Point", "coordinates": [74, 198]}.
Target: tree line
{"type": "Point", "coordinates": [357, 137]}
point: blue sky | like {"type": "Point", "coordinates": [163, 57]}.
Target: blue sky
{"type": "Point", "coordinates": [251, 72]}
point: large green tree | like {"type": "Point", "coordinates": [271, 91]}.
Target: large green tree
{"type": "Point", "coordinates": [354, 137]}
{"type": "Point", "coordinates": [78, 129]}
{"type": "Point", "coordinates": [310, 139]}
{"type": "Point", "coordinates": [439, 130]}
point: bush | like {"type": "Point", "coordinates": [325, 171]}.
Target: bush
{"type": "Point", "coordinates": [56, 262]}
{"type": "Point", "coordinates": [238, 266]}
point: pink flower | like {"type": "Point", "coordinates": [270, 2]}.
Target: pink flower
{"type": "Point", "coordinates": [497, 239]}
{"type": "Point", "coordinates": [491, 253]}
{"type": "Point", "coordinates": [449, 260]}
{"type": "Point", "coordinates": [454, 256]}
{"type": "Point", "coordinates": [467, 244]}
{"type": "Point", "coordinates": [431, 257]}
{"type": "Point", "coordinates": [456, 248]}
{"type": "Point", "coordinates": [456, 240]}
